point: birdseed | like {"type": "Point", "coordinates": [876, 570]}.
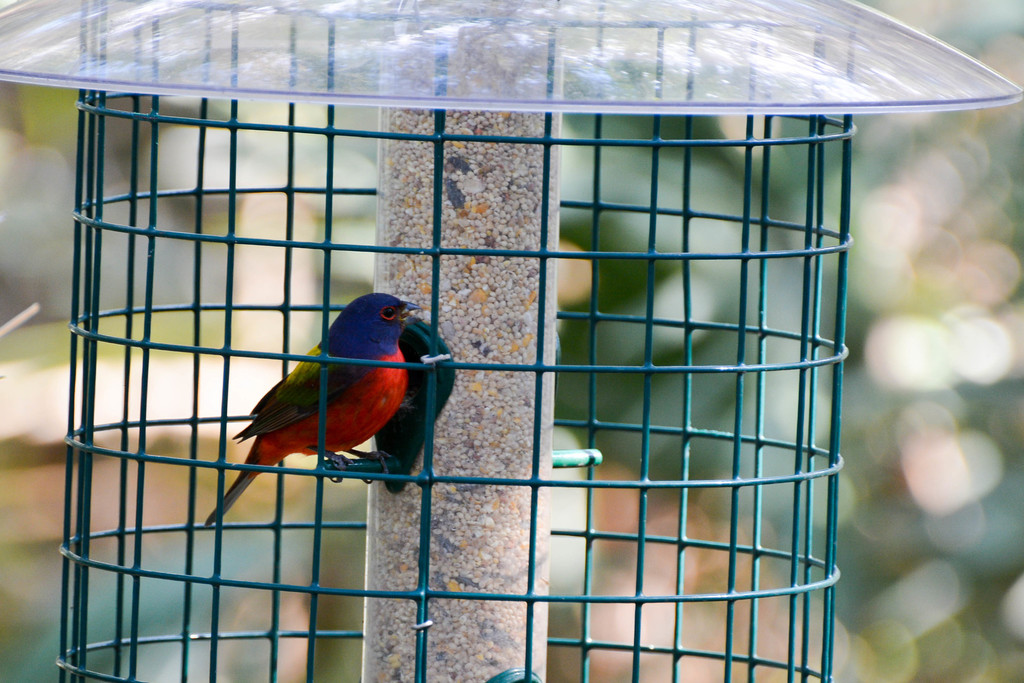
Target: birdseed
{"type": "Point", "coordinates": [488, 312]}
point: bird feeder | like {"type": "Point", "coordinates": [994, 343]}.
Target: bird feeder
{"type": "Point", "coordinates": [256, 163]}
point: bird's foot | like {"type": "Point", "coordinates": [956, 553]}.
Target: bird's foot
{"type": "Point", "coordinates": [340, 461]}
{"type": "Point", "coordinates": [379, 456]}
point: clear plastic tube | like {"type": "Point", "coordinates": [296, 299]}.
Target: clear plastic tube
{"type": "Point", "coordinates": [489, 312]}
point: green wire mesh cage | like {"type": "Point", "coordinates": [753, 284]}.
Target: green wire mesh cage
{"type": "Point", "coordinates": [691, 272]}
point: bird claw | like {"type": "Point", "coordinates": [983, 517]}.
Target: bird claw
{"type": "Point", "coordinates": [342, 462]}
{"type": "Point", "coordinates": [339, 459]}
{"type": "Point", "coordinates": [379, 456]}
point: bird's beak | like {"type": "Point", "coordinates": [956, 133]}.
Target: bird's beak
{"type": "Point", "coordinates": [408, 315]}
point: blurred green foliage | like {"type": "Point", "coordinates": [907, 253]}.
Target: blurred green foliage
{"type": "Point", "coordinates": [931, 511]}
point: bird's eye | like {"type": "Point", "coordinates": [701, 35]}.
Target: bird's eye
{"type": "Point", "coordinates": [388, 313]}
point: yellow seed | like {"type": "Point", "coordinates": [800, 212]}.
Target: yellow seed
{"type": "Point", "coordinates": [453, 586]}
{"type": "Point", "coordinates": [476, 386]}
{"type": "Point", "coordinates": [478, 296]}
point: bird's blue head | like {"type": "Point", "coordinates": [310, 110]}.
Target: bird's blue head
{"type": "Point", "coordinates": [370, 326]}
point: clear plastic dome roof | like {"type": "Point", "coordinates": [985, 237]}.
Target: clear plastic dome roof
{"type": "Point", "coordinates": [642, 56]}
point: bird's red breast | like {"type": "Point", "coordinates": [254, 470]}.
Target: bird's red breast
{"type": "Point", "coordinates": [352, 418]}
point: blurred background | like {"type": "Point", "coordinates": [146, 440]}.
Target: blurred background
{"type": "Point", "coordinates": [932, 515]}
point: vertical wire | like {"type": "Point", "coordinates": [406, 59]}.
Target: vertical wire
{"type": "Point", "coordinates": [761, 395]}
{"type": "Point", "coordinates": [426, 495]}
{"type": "Point", "coordinates": [321, 437]}
{"type": "Point", "coordinates": [133, 206]}
{"type": "Point", "coordinates": [193, 448]}
{"type": "Point", "coordinates": [835, 416]}
{"type": "Point", "coordinates": [687, 404]}
{"type": "Point", "coordinates": [98, 171]}
{"type": "Point", "coordinates": [801, 416]}
{"type": "Point", "coordinates": [592, 428]}
{"type": "Point", "coordinates": [645, 433]}
{"type": "Point", "coordinates": [147, 329]}
{"type": "Point", "coordinates": [426, 476]}
{"type": "Point", "coordinates": [69, 592]}
{"type": "Point", "coordinates": [737, 438]}
{"type": "Point", "coordinates": [89, 320]}
{"type": "Point", "coordinates": [97, 262]}
{"type": "Point", "coordinates": [812, 414]}
{"type": "Point", "coordinates": [229, 308]}
{"type": "Point", "coordinates": [539, 409]}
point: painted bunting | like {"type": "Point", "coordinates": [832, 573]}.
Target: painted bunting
{"type": "Point", "coordinates": [360, 398]}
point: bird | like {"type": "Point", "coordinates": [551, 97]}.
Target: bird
{"type": "Point", "coordinates": [360, 398]}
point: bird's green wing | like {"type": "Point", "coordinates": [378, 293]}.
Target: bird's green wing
{"type": "Point", "coordinates": [297, 396]}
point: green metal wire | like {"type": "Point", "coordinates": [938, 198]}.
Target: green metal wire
{"type": "Point", "coordinates": [746, 463]}
{"type": "Point", "coordinates": [686, 410]}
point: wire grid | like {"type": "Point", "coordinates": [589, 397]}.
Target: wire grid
{"type": "Point", "coordinates": [702, 549]}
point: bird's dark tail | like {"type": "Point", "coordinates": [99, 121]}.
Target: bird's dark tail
{"type": "Point", "coordinates": [237, 488]}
